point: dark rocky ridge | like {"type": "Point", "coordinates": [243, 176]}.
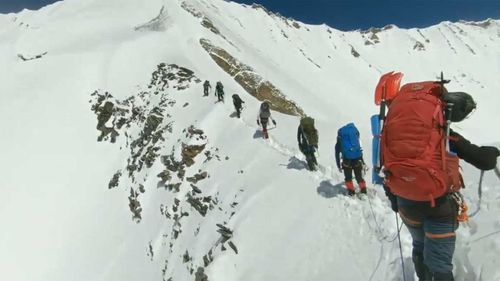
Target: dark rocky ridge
{"type": "Point", "coordinates": [143, 126]}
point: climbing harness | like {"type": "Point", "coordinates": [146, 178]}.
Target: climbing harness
{"type": "Point", "coordinates": [462, 207]}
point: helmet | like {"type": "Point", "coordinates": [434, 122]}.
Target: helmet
{"type": "Point", "coordinates": [460, 103]}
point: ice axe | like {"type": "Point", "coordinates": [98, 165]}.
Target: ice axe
{"type": "Point", "coordinates": [385, 91]}
{"type": "Point", "coordinates": [448, 111]}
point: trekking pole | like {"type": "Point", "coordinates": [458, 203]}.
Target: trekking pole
{"type": "Point", "coordinates": [479, 194]}
{"type": "Point", "coordinates": [497, 172]}
{"type": "Point", "coordinates": [447, 114]}
{"type": "Point", "coordinates": [381, 118]}
{"type": "Point", "coordinates": [400, 248]}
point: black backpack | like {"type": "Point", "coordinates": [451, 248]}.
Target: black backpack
{"type": "Point", "coordinates": [310, 132]}
{"type": "Point", "coordinates": [237, 100]}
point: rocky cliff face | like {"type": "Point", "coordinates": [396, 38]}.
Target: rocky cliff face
{"type": "Point", "coordinates": [143, 126]}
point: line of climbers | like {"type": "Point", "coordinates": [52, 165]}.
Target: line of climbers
{"type": "Point", "coordinates": [263, 116]}
{"type": "Point", "coordinates": [219, 90]}
{"type": "Point", "coordinates": [348, 144]}
{"type": "Point", "coordinates": [416, 160]}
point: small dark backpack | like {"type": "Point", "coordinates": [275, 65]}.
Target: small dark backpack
{"type": "Point", "coordinates": [310, 132]}
{"type": "Point", "coordinates": [237, 100]}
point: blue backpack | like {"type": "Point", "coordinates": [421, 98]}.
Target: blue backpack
{"type": "Point", "coordinates": [349, 141]}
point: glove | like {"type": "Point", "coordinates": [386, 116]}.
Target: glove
{"type": "Point", "coordinates": [489, 155]}
{"type": "Point", "coordinates": [258, 122]}
{"type": "Point", "coordinates": [274, 122]}
{"type": "Point", "coordinates": [392, 199]}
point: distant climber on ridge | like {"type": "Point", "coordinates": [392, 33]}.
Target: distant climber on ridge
{"type": "Point", "coordinates": [206, 88]}
{"type": "Point", "coordinates": [237, 102]}
{"type": "Point", "coordinates": [219, 91]}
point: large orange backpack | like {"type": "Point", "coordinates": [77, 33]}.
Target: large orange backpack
{"type": "Point", "coordinates": [416, 163]}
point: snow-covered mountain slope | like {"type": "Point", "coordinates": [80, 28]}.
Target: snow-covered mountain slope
{"type": "Point", "coordinates": [179, 188]}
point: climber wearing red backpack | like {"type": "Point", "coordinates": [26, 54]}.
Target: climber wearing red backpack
{"type": "Point", "coordinates": [420, 154]}
{"type": "Point", "coordinates": [349, 147]}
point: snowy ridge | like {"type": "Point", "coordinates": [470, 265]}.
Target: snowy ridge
{"type": "Point", "coordinates": [177, 188]}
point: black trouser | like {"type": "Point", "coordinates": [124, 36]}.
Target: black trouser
{"type": "Point", "coordinates": [263, 123]}
{"type": "Point", "coordinates": [237, 106]}
{"type": "Point", "coordinates": [308, 151]}
{"type": "Point", "coordinates": [349, 166]}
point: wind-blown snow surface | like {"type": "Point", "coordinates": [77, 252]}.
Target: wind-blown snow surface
{"type": "Point", "coordinates": [60, 221]}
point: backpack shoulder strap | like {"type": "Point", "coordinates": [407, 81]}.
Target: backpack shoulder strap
{"type": "Point", "coordinates": [304, 138]}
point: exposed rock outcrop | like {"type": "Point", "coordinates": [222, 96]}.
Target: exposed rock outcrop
{"type": "Point", "coordinates": [144, 124]}
{"type": "Point", "coordinates": [251, 81]}
{"type": "Point", "coordinates": [155, 24]}
{"type": "Point", "coordinates": [28, 58]}
{"type": "Point", "coordinates": [419, 46]}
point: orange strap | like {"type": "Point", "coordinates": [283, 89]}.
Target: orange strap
{"type": "Point", "coordinates": [409, 221]}
{"type": "Point", "coordinates": [440, 235]}
{"type": "Point", "coordinates": [432, 201]}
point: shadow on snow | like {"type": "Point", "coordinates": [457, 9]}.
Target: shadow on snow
{"type": "Point", "coordinates": [328, 190]}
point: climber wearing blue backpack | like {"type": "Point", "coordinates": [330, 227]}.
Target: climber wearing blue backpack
{"type": "Point", "coordinates": [352, 157]}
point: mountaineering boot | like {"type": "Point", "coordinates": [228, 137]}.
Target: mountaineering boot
{"type": "Point", "coordinates": [350, 188]}
{"type": "Point", "coordinates": [362, 186]}
{"type": "Point", "coordinates": [420, 267]}
{"type": "Point", "coordinates": [440, 276]}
